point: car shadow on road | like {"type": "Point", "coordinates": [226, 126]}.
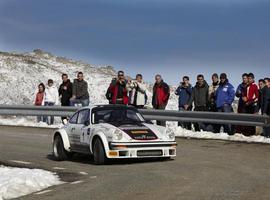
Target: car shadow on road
{"type": "Point", "coordinates": [87, 159]}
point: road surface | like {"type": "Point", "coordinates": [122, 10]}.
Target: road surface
{"type": "Point", "coordinates": [203, 169]}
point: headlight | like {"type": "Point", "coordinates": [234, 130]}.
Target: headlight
{"type": "Point", "coordinates": [117, 135]}
{"type": "Point", "coordinates": [170, 134]}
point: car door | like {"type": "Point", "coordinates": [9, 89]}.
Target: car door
{"type": "Point", "coordinates": [71, 130]}
{"type": "Point", "coordinates": [83, 129]}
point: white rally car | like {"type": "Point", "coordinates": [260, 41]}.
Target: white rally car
{"type": "Point", "coordinates": [110, 132]}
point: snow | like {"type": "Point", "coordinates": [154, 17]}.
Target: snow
{"type": "Point", "coordinates": [27, 122]}
{"type": "Point", "coordinates": [21, 73]}
{"type": "Point", "coordinates": [16, 182]}
{"type": "Point", "coordinates": [180, 132]}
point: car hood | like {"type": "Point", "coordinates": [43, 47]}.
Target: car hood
{"type": "Point", "coordinates": [142, 132]}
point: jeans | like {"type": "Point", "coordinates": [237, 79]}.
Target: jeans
{"type": "Point", "coordinates": [228, 128]}
{"type": "Point", "coordinates": [46, 118]}
{"type": "Point", "coordinates": [185, 125]}
{"type": "Point", "coordinates": [84, 102]}
{"type": "Point", "coordinates": [161, 107]}
{"type": "Point", "coordinates": [199, 126]}
{"type": "Point", "coordinates": [41, 119]}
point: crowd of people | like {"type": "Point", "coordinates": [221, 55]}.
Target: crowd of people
{"type": "Point", "coordinates": [69, 94]}
{"type": "Point", "coordinates": [216, 97]}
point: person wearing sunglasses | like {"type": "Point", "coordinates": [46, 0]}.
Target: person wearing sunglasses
{"type": "Point", "coordinates": [117, 91]}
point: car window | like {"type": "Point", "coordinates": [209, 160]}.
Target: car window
{"type": "Point", "coordinates": [134, 116]}
{"type": "Point", "coordinates": [73, 119]}
{"type": "Point", "coordinates": [116, 115]}
{"type": "Point", "coordinates": [83, 116]}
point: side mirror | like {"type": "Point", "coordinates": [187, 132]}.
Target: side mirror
{"type": "Point", "coordinates": [87, 123]}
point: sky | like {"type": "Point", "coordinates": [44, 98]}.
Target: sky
{"type": "Point", "coordinates": [172, 38]}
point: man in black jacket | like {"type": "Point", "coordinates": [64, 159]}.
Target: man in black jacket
{"type": "Point", "coordinates": [200, 98]}
{"type": "Point", "coordinates": [65, 92]}
{"type": "Point", "coordinates": [265, 104]}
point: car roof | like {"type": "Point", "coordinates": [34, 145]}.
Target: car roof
{"type": "Point", "coordinates": [108, 106]}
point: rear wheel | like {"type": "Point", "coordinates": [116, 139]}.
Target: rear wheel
{"type": "Point", "coordinates": [99, 152]}
{"type": "Point", "coordinates": [59, 151]}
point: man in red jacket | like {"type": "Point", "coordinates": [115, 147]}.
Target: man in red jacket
{"type": "Point", "coordinates": [161, 94]}
{"type": "Point", "coordinates": [251, 96]}
{"type": "Point", "coordinates": [117, 91]}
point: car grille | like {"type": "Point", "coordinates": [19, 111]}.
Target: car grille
{"type": "Point", "coordinates": [149, 153]}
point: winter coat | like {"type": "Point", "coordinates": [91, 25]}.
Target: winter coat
{"type": "Point", "coordinates": [137, 93]}
{"type": "Point", "coordinates": [65, 94]}
{"type": "Point", "coordinates": [252, 94]}
{"type": "Point", "coordinates": [161, 94]}
{"type": "Point", "coordinates": [39, 98]}
{"type": "Point", "coordinates": [225, 94]}
{"type": "Point", "coordinates": [116, 91]}
{"type": "Point", "coordinates": [199, 95]}
{"type": "Point", "coordinates": [240, 92]}
{"type": "Point", "coordinates": [51, 95]}
{"type": "Point", "coordinates": [265, 100]}
{"type": "Point", "coordinates": [212, 96]}
{"type": "Point", "coordinates": [184, 93]}
{"type": "Point", "coordinates": [80, 89]}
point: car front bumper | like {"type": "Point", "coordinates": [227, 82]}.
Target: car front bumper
{"type": "Point", "coordinates": [141, 150]}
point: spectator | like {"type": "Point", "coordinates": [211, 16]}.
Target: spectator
{"type": "Point", "coordinates": [250, 99]}
{"type": "Point", "coordinates": [240, 93]}
{"type": "Point", "coordinates": [212, 100]}
{"type": "Point", "coordinates": [117, 91]}
{"type": "Point", "coordinates": [161, 94]}
{"type": "Point", "coordinates": [137, 91]}
{"type": "Point", "coordinates": [261, 84]}
{"type": "Point", "coordinates": [80, 93]}
{"type": "Point", "coordinates": [65, 92]}
{"type": "Point", "coordinates": [184, 92]}
{"type": "Point", "coordinates": [200, 98]}
{"type": "Point", "coordinates": [39, 100]}
{"type": "Point", "coordinates": [265, 104]}
{"type": "Point", "coordinates": [224, 99]}
{"type": "Point", "coordinates": [51, 98]}
{"type": "Point", "coordinates": [212, 93]}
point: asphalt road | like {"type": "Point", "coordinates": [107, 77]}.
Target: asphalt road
{"type": "Point", "coordinates": [203, 169]}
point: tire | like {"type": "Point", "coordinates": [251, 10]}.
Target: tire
{"type": "Point", "coordinates": [59, 151]}
{"type": "Point", "coordinates": [99, 153]}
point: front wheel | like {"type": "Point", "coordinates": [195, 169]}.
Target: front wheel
{"type": "Point", "coordinates": [59, 151]}
{"type": "Point", "coordinates": [99, 153]}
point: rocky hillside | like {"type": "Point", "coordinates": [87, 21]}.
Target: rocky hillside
{"type": "Point", "coordinates": [21, 73]}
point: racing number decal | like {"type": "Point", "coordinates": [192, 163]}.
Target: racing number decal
{"type": "Point", "coordinates": [85, 136]}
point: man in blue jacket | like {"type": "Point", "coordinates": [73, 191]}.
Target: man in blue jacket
{"type": "Point", "coordinates": [224, 99]}
{"type": "Point", "coordinates": [184, 92]}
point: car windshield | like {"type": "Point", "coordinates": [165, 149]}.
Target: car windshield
{"type": "Point", "coordinates": [119, 116]}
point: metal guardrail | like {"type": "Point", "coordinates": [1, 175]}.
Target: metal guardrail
{"type": "Point", "coordinates": [149, 114]}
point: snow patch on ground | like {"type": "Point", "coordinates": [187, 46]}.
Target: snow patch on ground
{"type": "Point", "coordinates": [16, 182]}
{"type": "Point", "coordinates": [180, 132]}
{"type": "Point", "coordinates": [28, 122]}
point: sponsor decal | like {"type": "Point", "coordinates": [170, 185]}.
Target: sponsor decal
{"type": "Point", "coordinates": [141, 134]}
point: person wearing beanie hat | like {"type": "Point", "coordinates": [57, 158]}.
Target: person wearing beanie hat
{"type": "Point", "coordinates": [224, 99]}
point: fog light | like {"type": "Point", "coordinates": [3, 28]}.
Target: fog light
{"type": "Point", "coordinates": [113, 153]}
